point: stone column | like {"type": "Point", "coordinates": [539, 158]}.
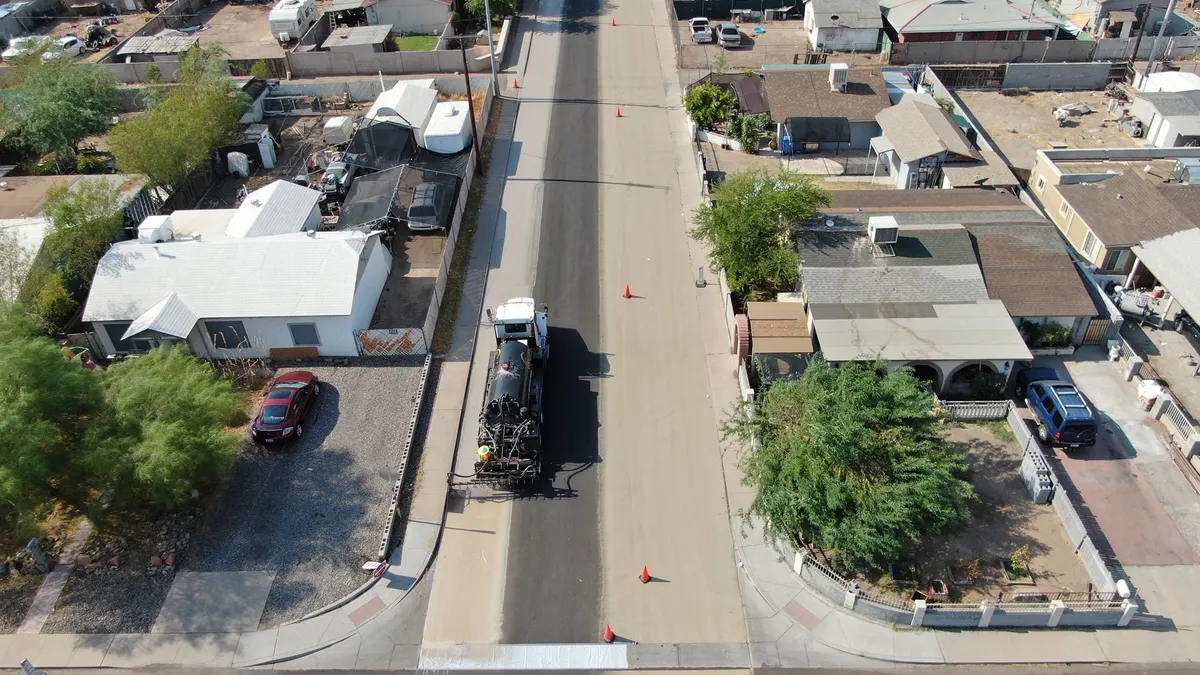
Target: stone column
{"type": "Point", "coordinates": [987, 610]}
{"type": "Point", "coordinates": [919, 607]}
{"type": "Point", "coordinates": [1056, 611]}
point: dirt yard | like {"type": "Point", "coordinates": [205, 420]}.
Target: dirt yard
{"type": "Point", "coordinates": [1004, 520]}
{"type": "Point", "coordinates": [781, 42]}
{"type": "Point", "coordinates": [1022, 125]}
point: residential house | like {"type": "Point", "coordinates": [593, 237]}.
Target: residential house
{"type": "Point", "coordinates": [917, 139]}
{"type": "Point", "coordinates": [825, 107]}
{"type": "Point", "coordinates": [843, 25]}
{"type": "Point", "coordinates": [405, 16]}
{"type": "Point", "coordinates": [1170, 119]}
{"type": "Point", "coordinates": [910, 295]}
{"type": "Point", "coordinates": [22, 199]}
{"type": "Point", "coordinates": [1022, 258]}
{"type": "Point", "coordinates": [966, 20]}
{"type": "Point", "coordinates": [1105, 201]}
{"type": "Point", "coordinates": [242, 282]}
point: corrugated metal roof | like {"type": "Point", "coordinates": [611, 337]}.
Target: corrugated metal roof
{"type": "Point", "coordinates": [942, 16]}
{"type": "Point", "coordinates": [342, 5]}
{"type": "Point", "coordinates": [172, 316]}
{"type": "Point", "coordinates": [970, 331]}
{"type": "Point", "coordinates": [279, 208]}
{"type": "Point", "coordinates": [157, 44]}
{"type": "Point", "coordinates": [1172, 260]}
{"type": "Point", "coordinates": [918, 130]}
{"type": "Point", "coordinates": [283, 275]}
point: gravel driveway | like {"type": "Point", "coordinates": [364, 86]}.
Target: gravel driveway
{"type": "Point", "coordinates": [313, 511]}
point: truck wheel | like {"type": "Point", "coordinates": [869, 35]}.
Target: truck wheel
{"type": "Point", "coordinates": [1043, 433]}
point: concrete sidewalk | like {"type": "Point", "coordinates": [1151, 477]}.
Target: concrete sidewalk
{"type": "Point", "coordinates": [335, 637]}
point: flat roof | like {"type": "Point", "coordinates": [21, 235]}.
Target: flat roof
{"type": "Point", "coordinates": [971, 331]}
{"type": "Point", "coordinates": [25, 196]}
{"type": "Point", "coordinates": [846, 13]}
{"type": "Point", "coordinates": [1172, 260]}
{"type": "Point", "coordinates": [779, 328]}
{"type": "Point", "coordinates": [357, 36]}
{"type": "Point", "coordinates": [956, 16]}
{"type": "Point", "coordinates": [805, 92]}
{"type": "Point", "coordinates": [923, 200]}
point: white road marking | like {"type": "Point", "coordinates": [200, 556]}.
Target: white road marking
{"type": "Point", "coordinates": [524, 657]}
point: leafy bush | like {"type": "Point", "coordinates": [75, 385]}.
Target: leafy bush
{"type": "Point", "coordinates": [709, 105]}
{"type": "Point", "coordinates": [752, 128]}
{"type": "Point", "coordinates": [260, 69]}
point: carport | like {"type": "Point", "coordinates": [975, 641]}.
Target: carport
{"type": "Point", "coordinates": [1170, 260]}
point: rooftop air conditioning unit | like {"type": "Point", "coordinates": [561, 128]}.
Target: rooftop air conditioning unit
{"type": "Point", "coordinates": [839, 77]}
{"type": "Point", "coordinates": [1187, 170]}
{"type": "Point", "coordinates": [882, 230]}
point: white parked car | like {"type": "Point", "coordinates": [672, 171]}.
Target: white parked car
{"type": "Point", "coordinates": [68, 47]}
{"type": "Point", "coordinates": [728, 36]}
{"type": "Point", "coordinates": [23, 45]}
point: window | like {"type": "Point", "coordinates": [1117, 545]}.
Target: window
{"type": "Point", "coordinates": [227, 334]}
{"type": "Point", "coordinates": [1039, 390]}
{"type": "Point", "coordinates": [304, 334]}
{"type": "Point", "coordinates": [274, 414]}
{"type": "Point", "coordinates": [1089, 244]}
{"type": "Point", "coordinates": [1048, 403]}
{"type": "Point", "coordinates": [1064, 209]}
{"type": "Point", "coordinates": [1116, 260]}
{"type": "Point", "coordinates": [1041, 184]}
{"type": "Point", "coordinates": [1057, 419]}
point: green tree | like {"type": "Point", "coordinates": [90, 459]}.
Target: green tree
{"type": "Point", "coordinates": [179, 133]}
{"type": "Point", "coordinates": [48, 298]}
{"type": "Point", "coordinates": [852, 460]}
{"type": "Point", "coordinates": [501, 9]}
{"type": "Point", "coordinates": [751, 229]}
{"type": "Point", "coordinates": [751, 130]}
{"type": "Point", "coordinates": [85, 219]}
{"type": "Point", "coordinates": [56, 103]}
{"type": "Point", "coordinates": [166, 430]}
{"type": "Point", "coordinates": [709, 105]}
{"type": "Point", "coordinates": [45, 402]}
{"type": "Point", "coordinates": [15, 261]}
{"type": "Point", "coordinates": [260, 70]}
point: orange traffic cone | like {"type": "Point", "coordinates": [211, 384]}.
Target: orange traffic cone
{"type": "Point", "coordinates": [645, 577]}
{"type": "Point", "coordinates": [628, 295]}
{"type": "Point", "coordinates": [516, 84]}
{"type": "Point", "coordinates": [609, 635]}
{"type": "Point", "coordinates": [614, 21]}
{"type": "Point", "coordinates": [619, 112]}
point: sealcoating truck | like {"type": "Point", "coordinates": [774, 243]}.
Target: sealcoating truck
{"type": "Point", "coordinates": [510, 424]}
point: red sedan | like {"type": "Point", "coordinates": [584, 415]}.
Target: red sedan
{"type": "Point", "coordinates": [280, 417]}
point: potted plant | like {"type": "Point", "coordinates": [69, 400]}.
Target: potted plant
{"type": "Point", "coordinates": [1016, 567]}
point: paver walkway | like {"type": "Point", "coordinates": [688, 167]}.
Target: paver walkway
{"type": "Point", "coordinates": [52, 586]}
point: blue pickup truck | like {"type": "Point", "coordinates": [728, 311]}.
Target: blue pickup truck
{"type": "Point", "coordinates": [1064, 417]}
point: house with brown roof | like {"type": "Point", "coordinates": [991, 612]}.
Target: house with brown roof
{"type": "Point", "coordinates": [1105, 201]}
{"type": "Point", "coordinates": [825, 107]}
{"type": "Point", "coordinates": [916, 140]}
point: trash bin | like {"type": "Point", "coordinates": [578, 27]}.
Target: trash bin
{"type": "Point", "coordinates": [1148, 392]}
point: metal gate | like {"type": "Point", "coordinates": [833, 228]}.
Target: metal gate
{"type": "Point", "coordinates": [1097, 332]}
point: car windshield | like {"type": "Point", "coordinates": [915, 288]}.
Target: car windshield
{"type": "Point", "coordinates": [274, 414]}
{"type": "Point", "coordinates": [289, 385]}
{"type": "Point", "coordinates": [729, 30]}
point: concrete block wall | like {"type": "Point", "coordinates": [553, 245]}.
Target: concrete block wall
{"type": "Point", "coordinates": [1057, 76]}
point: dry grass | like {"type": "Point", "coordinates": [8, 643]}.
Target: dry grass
{"type": "Point", "coordinates": [478, 97]}
{"type": "Point", "coordinates": [444, 331]}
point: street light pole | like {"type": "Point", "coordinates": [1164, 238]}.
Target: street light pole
{"type": "Point", "coordinates": [487, 16]}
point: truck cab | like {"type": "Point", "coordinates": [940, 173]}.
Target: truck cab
{"type": "Point", "coordinates": [520, 320]}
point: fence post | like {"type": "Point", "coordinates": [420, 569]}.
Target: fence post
{"type": "Point", "coordinates": [1129, 608]}
{"type": "Point", "coordinates": [918, 612]}
{"type": "Point", "coordinates": [986, 610]}
{"type": "Point", "coordinates": [1057, 607]}
{"type": "Point", "coordinates": [851, 596]}
{"type": "Point", "coordinates": [1160, 406]}
{"type": "Point", "coordinates": [1135, 367]}
{"type": "Point", "coordinates": [798, 565]}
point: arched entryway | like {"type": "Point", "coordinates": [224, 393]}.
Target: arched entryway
{"type": "Point", "coordinates": [975, 381]}
{"type": "Point", "coordinates": [927, 373]}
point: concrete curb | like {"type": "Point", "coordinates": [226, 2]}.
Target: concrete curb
{"type": "Point", "coordinates": [336, 604]}
{"type": "Point", "coordinates": [402, 469]}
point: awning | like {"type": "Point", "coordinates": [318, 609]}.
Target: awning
{"type": "Point", "coordinates": [819, 129]}
{"type": "Point", "coordinates": [343, 5]}
{"type": "Point", "coordinates": [881, 144]}
{"type": "Point", "coordinates": [1171, 259]}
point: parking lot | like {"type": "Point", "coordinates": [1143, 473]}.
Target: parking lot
{"type": "Point", "coordinates": [781, 42]}
{"type": "Point", "coordinates": [313, 512]}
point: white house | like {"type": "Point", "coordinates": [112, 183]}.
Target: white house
{"type": "Point", "coordinates": [242, 282]}
{"type": "Point", "coordinates": [918, 140]}
{"type": "Point", "coordinates": [843, 25]}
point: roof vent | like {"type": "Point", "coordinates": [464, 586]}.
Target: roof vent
{"type": "Point", "coordinates": [839, 77]}
{"type": "Point", "coordinates": [255, 202]}
{"type": "Point", "coordinates": [1120, 196]}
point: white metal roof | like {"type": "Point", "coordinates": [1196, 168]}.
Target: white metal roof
{"type": "Point", "coordinates": [279, 208]}
{"type": "Point", "coordinates": [301, 274]}
{"type": "Point", "coordinates": [1172, 81]}
{"type": "Point", "coordinates": [941, 16]}
{"type": "Point", "coordinates": [1172, 260]}
{"type": "Point", "coordinates": [941, 332]}
{"type": "Point", "coordinates": [171, 316]}
{"type": "Point", "coordinates": [406, 103]}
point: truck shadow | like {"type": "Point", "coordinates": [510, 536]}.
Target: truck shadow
{"type": "Point", "coordinates": [572, 416]}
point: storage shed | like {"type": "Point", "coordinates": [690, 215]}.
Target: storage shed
{"type": "Point", "coordinates": [358, 40]}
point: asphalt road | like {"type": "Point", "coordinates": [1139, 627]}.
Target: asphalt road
{"type": "Point", "coordinates": [552, 585]}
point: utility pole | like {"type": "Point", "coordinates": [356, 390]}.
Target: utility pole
{"type": "Point", "coordinates": [1154, 45]}
{"type": "Point", "coordinates": [1143, 18]}
{"type": "Point", "coordinates": [471, 107]}
{"type": "Point", "coordinates": [487, 16]}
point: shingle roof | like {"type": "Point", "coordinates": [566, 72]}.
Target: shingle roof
{"type": "Point", "coordinates": [1127, 209]}
{"type": "Point", "coordinates": [279, 208]}
{"type": "Point", "coordinates": [918, 130]}
{"type": "Point", "coordinates": [991, 171]}
{"type": "Point", "coordinates": [845, 13]}
{"type": "Point", "coordinates": [1026, 266]}
{"type": "Point", "coordinates": [1170, 103]}
{"type": "Point", "coordinates": [276, 276]}
{"type": "Point", "coordinates": [805, 93]}
{"type": "Point", "coordinates": [925, 200]}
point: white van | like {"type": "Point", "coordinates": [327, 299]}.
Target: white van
{"type": "Point", "coordinates": [290, 19]}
